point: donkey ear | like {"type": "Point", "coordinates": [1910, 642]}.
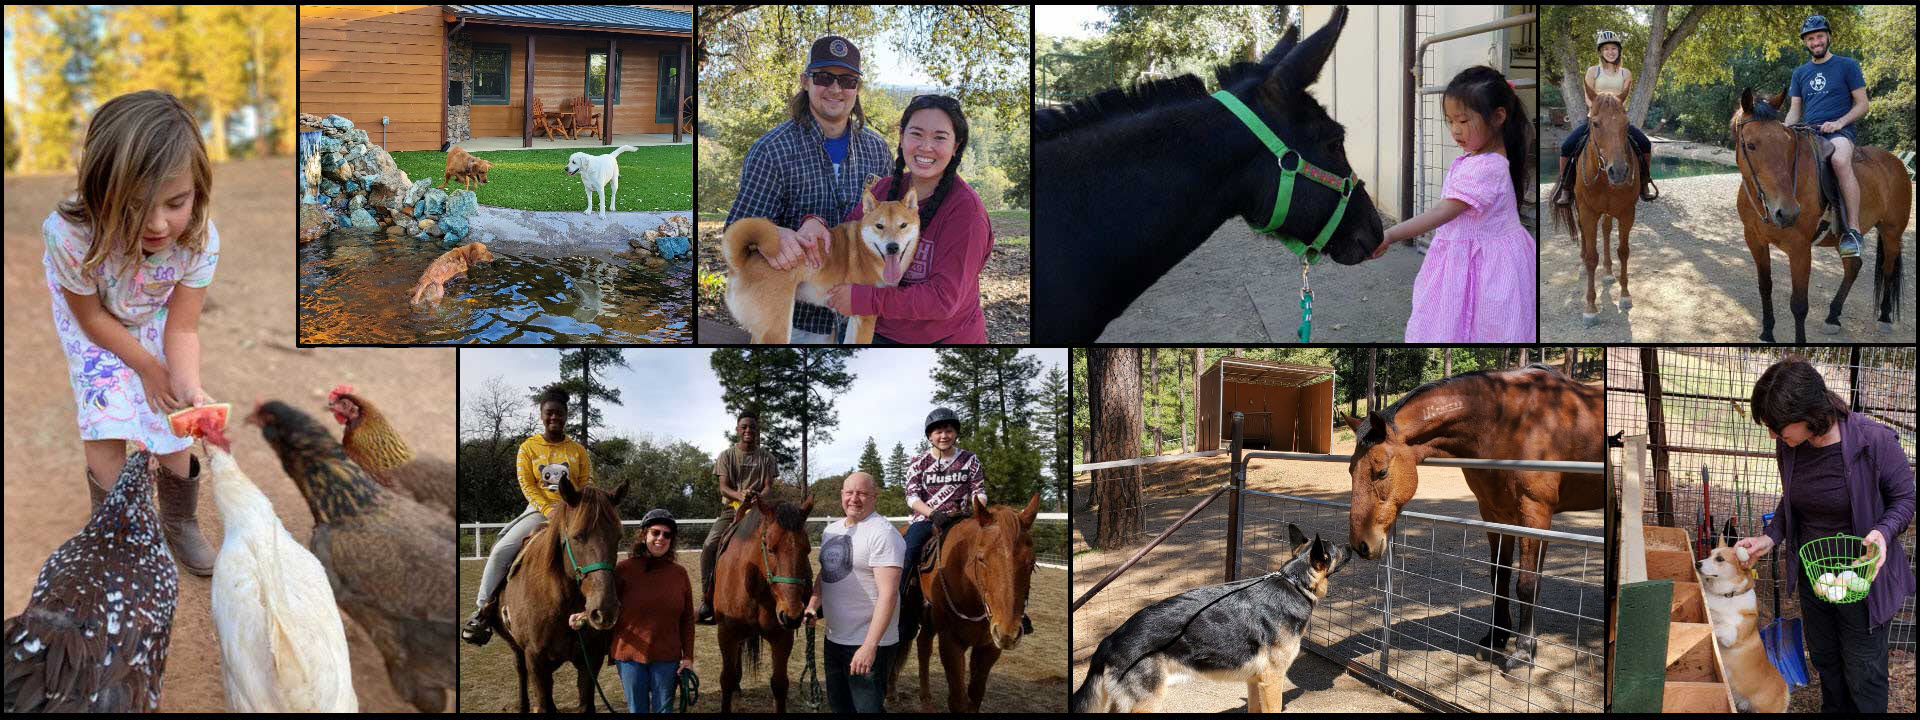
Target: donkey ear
{"type": "Point", "coordinates": [1302, 65]}
{"type": "Point", "coordinates": [1287, 41]}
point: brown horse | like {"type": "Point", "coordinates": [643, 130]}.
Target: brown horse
{"type": "Point", "coordinates": [1533, 413]}
{"type": "Point", "coordinates": [976, 598]}
{"type": "Point", "coordinates": [1606, 188]}
{"type": "Point", "coordinates": [557, 574]}
{"type": "Point", "coordinates": [1781, 206]}
{"type": "Point", "coordinates": [762, 583]}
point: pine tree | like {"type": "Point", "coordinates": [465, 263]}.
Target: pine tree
{"type": "Point", "coordinates": [793, 390]}
{"type": "Point", "coordinates": [871, 465]}
{"type": "Point", "coordinates": [897, 467]}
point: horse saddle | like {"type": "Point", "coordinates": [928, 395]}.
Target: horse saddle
{"type": "Point", "coordinates": [1836, 207]}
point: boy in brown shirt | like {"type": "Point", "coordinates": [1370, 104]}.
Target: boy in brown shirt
{"type": "Point", "coordinates": [743, 470]}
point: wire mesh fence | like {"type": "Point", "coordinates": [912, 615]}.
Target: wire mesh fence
{"type": "Point", "coordinates": [1709, 459]}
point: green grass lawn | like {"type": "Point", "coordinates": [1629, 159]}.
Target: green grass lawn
{"type": "Point", "coordinates": [656, 177]}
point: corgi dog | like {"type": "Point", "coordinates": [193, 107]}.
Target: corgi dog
{"type": "Point", "coordinates": [454, 262]}
{"type": "Point", "coordinates": [870, 251]}
{"type": "Point", "coordinates": [1733, 608]}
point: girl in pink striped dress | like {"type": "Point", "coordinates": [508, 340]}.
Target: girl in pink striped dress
{"type": "Point", "coordinates": [1477, 282]}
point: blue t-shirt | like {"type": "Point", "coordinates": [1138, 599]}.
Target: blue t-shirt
{"type": "Point", "coordinates": [1826, 89]}
{"type": "Point", "coordinates": [837, 150]}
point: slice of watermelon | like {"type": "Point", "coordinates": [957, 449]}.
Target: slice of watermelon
{"type": "Point", "coordinates": [188, 422]}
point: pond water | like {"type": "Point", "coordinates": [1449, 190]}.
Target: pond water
{"type": "Point", "coordinates": [1664, 167]}
{"type": "Point", "coordinates": [356, 287]}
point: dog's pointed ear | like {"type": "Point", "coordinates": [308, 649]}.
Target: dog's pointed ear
{"type": "Point", "coordinates": [1319, 556]}
{"type": "Point", "coordinates": [912, 199]}
{"type": "Point", "coordinates": [867, 202]}
{"type": "Point", "coordinates": [1295, 537]}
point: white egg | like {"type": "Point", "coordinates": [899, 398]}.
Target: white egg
{"type": "Point", "coordinates": [1742, 552]}
{"type": "Point", "coordinates": [1826, 578]}
{"type": "Point", "coordinates": [1845, 576]}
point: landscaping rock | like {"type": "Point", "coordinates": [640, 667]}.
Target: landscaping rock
{"type": "Point", "coordinates": [456, 226]}
{"type": "Point", "coordinates": [362, 219]}
{"type": "Point", "coordinates": [395, 230]}
{"type": "Point", "coordinates": [337, 122]}
{"type": "Point", "coordinates": [434, 203]}
{"type": "Point", "coordinates": [464, 204]}
{"type": "Point", "coordinates": [314, 221]}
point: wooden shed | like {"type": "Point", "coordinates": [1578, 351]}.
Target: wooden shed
{"type": "Point", "coordinates": [445, 74]}
{"type": "Point", "coordinates": [1288, 407]}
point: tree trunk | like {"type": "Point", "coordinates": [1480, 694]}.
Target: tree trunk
{"type": "Point", "coordinates": [1523, 358]}
{"type": "Point", "coordinates": [1568, 362]}
{"type": "Point", "coordinates": [1446, 362]}
{"type": "Point", "coordinates": [1155, 389]}
{"type": "Point", "coordinates": [1180, 399]}
{"type": "Point", "coordinates": [1199, 358]}
{"type": "Point", "coordinates": [1140, 430]}
{"type": "Point", "coordinates": [1572, 87]}
{"type": "Point", "coordinates": [1112, 387]}
{"type": "Point", "coordinates": [1661, 45]}
{"type": "Point", "coordinates": [1373, 362]}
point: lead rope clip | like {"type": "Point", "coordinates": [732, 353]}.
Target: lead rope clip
{"type": "Point", "coordinates": [1306, 302]}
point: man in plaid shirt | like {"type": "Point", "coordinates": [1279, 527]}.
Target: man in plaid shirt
{"type": "Point", "coordinates": [807, 174]}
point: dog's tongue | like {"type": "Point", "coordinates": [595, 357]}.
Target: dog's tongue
{"type": "Point", "coordinates": [893, 271]}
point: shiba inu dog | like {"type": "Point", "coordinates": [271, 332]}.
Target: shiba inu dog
{"type": "Point", "coordinates": [873, 250]}
{"type": "Point", "coordinates": [1728, 583]}
{"type": "Point", "coordinates": [1248, 631]}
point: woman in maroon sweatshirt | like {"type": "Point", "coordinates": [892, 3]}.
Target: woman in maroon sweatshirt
{"type": "Point", "coordinates": [938, 300]}
{"type": "Point", "coordinates": [1842, 473]}
{"type": "Point", "coordinates": [653, 642]}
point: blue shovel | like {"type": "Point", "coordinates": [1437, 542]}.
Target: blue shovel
{"type": "Point", "coordinates": [1782, 636]}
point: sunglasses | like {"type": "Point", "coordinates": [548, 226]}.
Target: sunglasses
{"type": "Point", "coordinates": [823, 78]}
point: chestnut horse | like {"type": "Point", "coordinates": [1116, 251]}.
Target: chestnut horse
{"type": "Point", "coordinates": [559, 573]}
{"type": "Point", "coordinates": [1606, 188]}
{"type": "Point", "coordinates": [762, 583]}
{"type": "Point", "coordinates": [976, 598]}
{"type": "Point", "coordinates": [1533, 413]}
{"type": "Point", "coordinates": [1781, 206]}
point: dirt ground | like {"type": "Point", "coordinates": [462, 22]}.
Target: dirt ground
{"type": "Point", "coordinates": [1240, 286]}
{"type": "Point", "coordinates": [1026, 679]}
{"type": "Point", "coordinates": [1435, 622]}
{"type": "Point", "coordinates": [1693, 280]}
{"type": "Point", "coordinates": [248, 351]}
{"type": "Point", "coordinates": [1005, 288]}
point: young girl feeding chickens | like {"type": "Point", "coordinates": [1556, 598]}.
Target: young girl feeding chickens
{"type": "Point", "coordinates": [128, 261]}
{"type": "Point", "coordinates": [1477, 282]}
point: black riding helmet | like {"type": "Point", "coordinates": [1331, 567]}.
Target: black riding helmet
{"type": "Point", "coordinates": [941, 415]}
{"type": "Point", "coordinates": [1815, 23]}
{"type": "Point", "coordinates": [659, 516]}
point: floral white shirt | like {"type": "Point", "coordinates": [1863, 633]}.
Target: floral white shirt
{"type": "Point", "coordinates": [132, 288]}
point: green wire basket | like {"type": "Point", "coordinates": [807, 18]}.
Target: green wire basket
{"type": "Point", "coordinates": [1836, 554]}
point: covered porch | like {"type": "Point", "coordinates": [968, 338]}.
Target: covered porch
{"type": "Point", "coordinates": [474, 145]}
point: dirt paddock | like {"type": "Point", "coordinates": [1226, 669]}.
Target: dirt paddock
{"type": "Point", "coordinates": [1441, 603]}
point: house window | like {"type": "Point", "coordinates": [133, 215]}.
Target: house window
{"type": "Point", "coordinates": [597, 77]}
{"type": "Point", "coordinates": [664, 106]}
{"type": "Point", "coordinates": [490, 74]}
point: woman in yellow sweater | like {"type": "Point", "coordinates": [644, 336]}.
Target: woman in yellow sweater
{"type": "Point", "coordinates": [551, 447]}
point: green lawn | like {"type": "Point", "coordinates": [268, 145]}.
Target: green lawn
{"type": "Point", "coordinates": [657, 177]}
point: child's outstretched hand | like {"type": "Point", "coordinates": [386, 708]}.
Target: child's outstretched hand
{"type": "Point", "coordinates": [160, 395]}
{"type": "Point", "coordinates": [1391, 239]}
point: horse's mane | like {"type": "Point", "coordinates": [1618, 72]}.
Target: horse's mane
{"type": "Point", "coordinates": [790, 516]}
{"type": "Point", "coordinates": [1609, 99]}
{"type": "Point", "coordinates": [1387, 413]}
{"type": "Point", "coordinates": [1142, 95]}
{"type": "Point", "coordinates": [1763, 110]}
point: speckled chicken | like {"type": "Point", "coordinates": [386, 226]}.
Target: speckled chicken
{"type": "Point", "coordinates": [377, 446]}
{"type": "Point", "coordinates": [389, 559]}
{"type": "Point", "coordinates": [94, 635]}
{"type": "Point", "coordinates": [283, 647]}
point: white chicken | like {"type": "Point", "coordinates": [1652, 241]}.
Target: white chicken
{"type": "Point", "coordinates": [282, 645]}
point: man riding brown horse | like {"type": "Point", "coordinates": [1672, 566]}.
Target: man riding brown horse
{"type": "Point", "coordinates": [744, 471]}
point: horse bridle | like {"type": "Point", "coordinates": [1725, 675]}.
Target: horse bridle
{"type": "Point", "coordinates": [1754, 191]}
{"type": "Point", "coordinates": [941, 575]}
{"type": "Point", "coordinates": [582, 572]}
{"type": "Point", "coordinates": [766, 562]}
{"type": "Point", "coordinates": [1599, 174]}
{"type": "Point", "coordinates": [1283, 196]}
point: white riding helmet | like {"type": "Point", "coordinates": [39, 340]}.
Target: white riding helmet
{"type": "Point", "coordinates": [1600, 39]}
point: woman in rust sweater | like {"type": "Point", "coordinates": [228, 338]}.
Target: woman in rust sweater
{"type": "Point", "coordinates": [653, 642]}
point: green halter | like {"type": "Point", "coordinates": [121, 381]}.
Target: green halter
{"type": "Point", "coordinates": [1284, 196]}
{"type": "Point", "coordinates": [766, 559]}
{"type": "Point", "coordinates": [584, 571]}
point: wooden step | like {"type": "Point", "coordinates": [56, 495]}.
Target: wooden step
{"type": "Point", "coordinates": [1666, 538]}
{"type": "Point", "coordinates": [1675, 565]}
{"type": "Point", "coordinates": [1690, 653]}
{"type": "Point", "coordinates": [1686, 697]}
{"type": "Point", "coordinates": [1688, 605]}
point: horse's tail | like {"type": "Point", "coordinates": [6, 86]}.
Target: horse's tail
{"type": "Point", "coordinates": [752, 646]}
{"type": "Point", "coordinates": [1563, 214]}
{"type": "Point", "coordinates": [1886, 286]}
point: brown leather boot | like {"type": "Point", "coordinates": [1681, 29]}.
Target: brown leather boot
{"type": "Point", "coordinates": [1648, 191]}
{"type": "Point", "coordinates": [1565, 195]}
{"type": "Point", "coordinates": [98, 493]}
{"type": "Point", "coordinates": [179, 499]}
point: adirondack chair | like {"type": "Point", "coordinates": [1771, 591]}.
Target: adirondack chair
{"type": "Point", "coordinates": [544, 122]}
{"type": "Point", "coordinates": [585, 120]}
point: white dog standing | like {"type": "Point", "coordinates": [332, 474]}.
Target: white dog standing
{"type": "Point", "coordinates": [595, 172]}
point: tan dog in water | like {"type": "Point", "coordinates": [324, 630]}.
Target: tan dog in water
{"type": "Point", "coordinates": [1734, 610]}
{"type": "Point", "coordinates": [870, 251]}
{"type": "Point", "coordinates": [466, 167]}
{"type": "Point", "coordinates": [454, 262]}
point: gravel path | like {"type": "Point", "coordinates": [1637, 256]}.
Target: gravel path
{"type": "Point", "coordinates": [1693, 280]}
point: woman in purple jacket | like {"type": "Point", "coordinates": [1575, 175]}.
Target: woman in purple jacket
{"type": "Point", "coordinates": [1841, 473]}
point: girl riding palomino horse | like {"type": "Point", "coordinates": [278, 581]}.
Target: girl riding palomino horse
{"type": "Point", "coordinates": [1606, 77]}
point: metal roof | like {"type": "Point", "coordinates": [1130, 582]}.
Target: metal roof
{"type": "Point", "coordinates": [607, 16]}
{"type": "Point", "coordinates": [1247, 371]}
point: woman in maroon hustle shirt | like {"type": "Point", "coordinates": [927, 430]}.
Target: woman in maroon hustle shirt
{"type": "Point", "coordinates": [1841, 472]}
{"type": "Point", "coordinates": [938, 300]}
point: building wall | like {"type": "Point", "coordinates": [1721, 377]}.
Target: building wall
{"type": "Point", "coordinates": [560, 66]}
{"type": "Point", "coordinates": [364, 62]}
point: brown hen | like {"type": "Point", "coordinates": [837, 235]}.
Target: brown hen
{"type": "Point", "coordinates": [375, 445]}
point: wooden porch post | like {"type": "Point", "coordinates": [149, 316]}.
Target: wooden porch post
{"type": "Point", "coordinates": [526, 98]}
{"type": "Point", "coordinates": [613, 83]}
{"type": "Point", "coordinates": [680, 95]}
